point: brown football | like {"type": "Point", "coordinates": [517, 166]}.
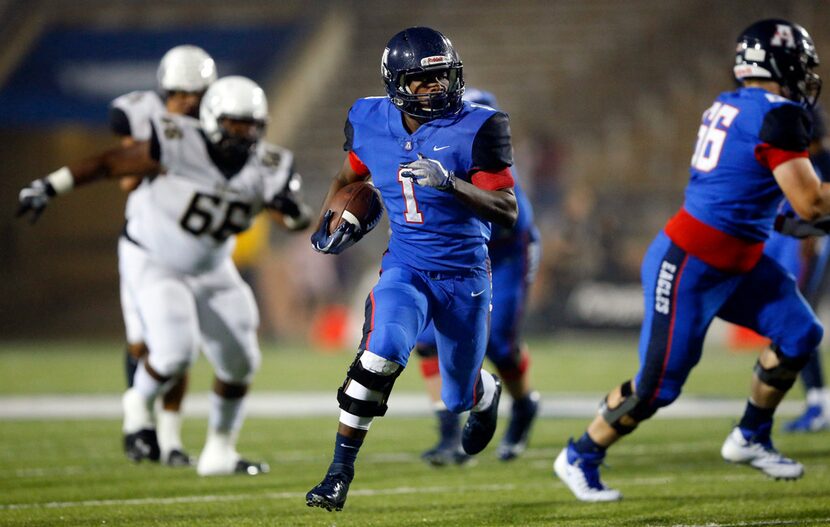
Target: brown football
{"type": "Point", "coordinates": [358, 203]}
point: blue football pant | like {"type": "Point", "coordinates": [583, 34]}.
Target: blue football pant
{"type": "Point", "coordinates": [403, 303]}
{"type": "Point", "coordinates": [682, 297]}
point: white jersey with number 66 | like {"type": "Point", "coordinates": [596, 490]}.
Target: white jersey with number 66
{"type": "Point", "coordinates": [187, 217]}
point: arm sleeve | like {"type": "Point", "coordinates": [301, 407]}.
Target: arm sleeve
{"type": "Point", "coordinates": [155, 145]}
{"type": "Point", "coordinates": [492, 151]}
{"type": "Point", "coordinates": [787, 127]}
{"type": "Point", "coordinates": [119, 122]}
{"type": "Point", "coordinates": [348, 131]}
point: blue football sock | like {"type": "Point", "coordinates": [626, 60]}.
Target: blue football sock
{"type": "Point", "coordinates": [586, 445]}
{"type": "Point", "coordinates": [448, 427]}
{"type": "Point", "coordinates": [345, 454]}
{"type": "Point", "coordinates": [756, 422]}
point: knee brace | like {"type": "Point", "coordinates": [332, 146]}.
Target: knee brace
{"type": "Point", "coordinates": [368, 384]}
{"type": "Point", "coordinates": [625, 417]}
{"type": "Point", "coordinates": [783, 375]}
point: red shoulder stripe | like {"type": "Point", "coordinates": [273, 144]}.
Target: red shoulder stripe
{"type": "Point", "coordinates": [770, 156]}
{"type": "Point", "coordinates": [357, 165]}
{"type": "Point", "coordinates": [493, 180]}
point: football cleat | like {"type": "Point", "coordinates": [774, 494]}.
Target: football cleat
{"type": "Point", "coordinates": [580, 473]}
{"type": "Point", "coordinates": [480, 426]}
{"type": "Point", "coordinates": [330, 494]}
{"type": "Point", "coordinates": [812, 420]}
{"type": "Point", "coordinates": [521, 420]}
{"type": "Point", "coordinates": [178, 458]}
{"type": "Point", "coordinates": [221, 460]}
{"type": "Point", "coordinates": [759, 454]}
{"type": "Point", "coordinates": [443, 455]}
{"type": "Point", "coordinates": [142, 445]}
{"type": "Point", "coordinates": [251, 468]}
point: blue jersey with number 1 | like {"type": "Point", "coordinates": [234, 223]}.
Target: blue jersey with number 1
{"type": "Point", "coordinates": [431, 229]}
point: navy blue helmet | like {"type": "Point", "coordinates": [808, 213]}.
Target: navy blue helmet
{"type": "Point", "coordinates": [476, 96]}
{"type": "Point", "coordinates": [421, 52]}
{"type": "Point", "coordinates": [783, 52]}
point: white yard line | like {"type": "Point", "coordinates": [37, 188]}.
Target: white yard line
{"type": "Point", "coordinates": [758, 523]}
{"type": "Point", "coordinates": [210, 498]}
{"type": "Point", "coordinates": [299, 404]}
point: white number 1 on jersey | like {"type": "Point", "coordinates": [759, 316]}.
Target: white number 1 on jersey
{"type": "Point", "coordinates": [412, 214]}
{"type": "Point", "coordinates": [711, 136]}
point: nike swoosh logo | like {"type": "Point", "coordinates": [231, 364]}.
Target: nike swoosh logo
{"type": "Point", "coordinates": [478, 294]}
{"type": "Point", "coordinates": [439, 148]}
{"type": "Point", "coordinates": [347, 446]}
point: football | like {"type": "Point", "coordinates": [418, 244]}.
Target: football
{"type": "Point", "coordinates": [359, 204]}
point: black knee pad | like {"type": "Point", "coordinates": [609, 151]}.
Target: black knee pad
{"type": "Point", "coordinates": [625, 417]}
{"type": "Point", "coordinates": [371, 380]}
{"type": "Point", "coordinates": [782, 376]}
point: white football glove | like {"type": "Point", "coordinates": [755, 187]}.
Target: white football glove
{"type": "Point", "coordinates": [429, 173]}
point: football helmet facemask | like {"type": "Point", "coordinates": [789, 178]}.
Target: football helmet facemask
{"type": "Point", "coordinates": [186, 68]}
{"type": "Point", "coordinates": [783, 52]}
{"type": "Point", "coordinates": [236, 98]}
{"type": "Point", "coordinates": [423, 53]}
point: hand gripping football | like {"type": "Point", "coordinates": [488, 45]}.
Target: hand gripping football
{"type": "Point", "coordinates": [357, 203]}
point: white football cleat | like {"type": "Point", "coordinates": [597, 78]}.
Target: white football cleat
{"type": "Point", "coordinates": [220, 458]}
{"type": "Point", "coordinates": [764, 457]}
{"type": "Point", "coordinates": [217, 460]}
{"type": "Point", "coordinates": [582, 477]}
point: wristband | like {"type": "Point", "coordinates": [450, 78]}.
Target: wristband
{"type": "Point", "coordinates": [61, 180]}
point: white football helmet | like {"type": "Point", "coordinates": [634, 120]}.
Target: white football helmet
{"type": "Point", "coordinates": [186, 68]}
{"type": "Point", "coordinates": [234, 97]}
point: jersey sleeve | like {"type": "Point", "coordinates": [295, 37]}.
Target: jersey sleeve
{"type": "Point", "coordinates": [119, 122]}
{"type": "Point", "coordinates": [492, 151]}
{"type": "Point", "coordinates": [787, 127]}
{"type": "Point", "coordinates": [348, 131]}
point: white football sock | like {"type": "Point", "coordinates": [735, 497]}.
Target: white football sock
{"type": "Point", "coordinates": [169, 431]}
{"type": "Point", "coordinates": [487, 397]}
{"type": "Point", "coordinates": [226, 415]}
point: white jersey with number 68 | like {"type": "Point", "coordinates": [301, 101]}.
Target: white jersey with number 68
{"type": "Point", "coordinates": [187, 217]}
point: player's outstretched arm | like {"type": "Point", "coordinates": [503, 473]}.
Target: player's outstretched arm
{"type": "Point", "coordinates": [117, 162]}
{"type": "Point", "coordinates": [809, 197]}
{"type": "Point", "coordinates": [346, 234]}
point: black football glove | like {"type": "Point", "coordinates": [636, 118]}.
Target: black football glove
{"type": "Point", "coordinates": [33, 198]}
{"type": "Point", "coordinates": [798, 228]}
{"type": "Point", "coordinates": [344, 236]}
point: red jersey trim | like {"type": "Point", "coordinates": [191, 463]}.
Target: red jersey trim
{"type": "Point", "coordinates": [493, 180]}
{"type": "Point", "coordinates": [716, 248]}
{"type": "Point", "coordinates": [770, 156]}
{"type": "Point", "coordinates": [357, 165]}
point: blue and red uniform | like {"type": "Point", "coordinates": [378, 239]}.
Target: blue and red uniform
{"type": "Point", "coordinates": [709, 260]}
{"type": "Point", "coordinates": [436, 267]}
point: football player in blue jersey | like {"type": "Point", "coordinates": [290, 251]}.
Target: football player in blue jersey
{"type": "Point", "coordinates": [807, 260]}
{"type": "Point", "coordinates": [514, 257]}
{"type": "Point", "coordinates": [442, 167]}
{"type": "Point", "coordinates": [708, 261]}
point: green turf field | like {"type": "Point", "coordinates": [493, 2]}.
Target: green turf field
{"type": "Point", "coordinates": [72, 473]}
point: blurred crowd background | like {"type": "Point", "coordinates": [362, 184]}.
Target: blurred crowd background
{"type": "Point", "coordinates": [604, 97]}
